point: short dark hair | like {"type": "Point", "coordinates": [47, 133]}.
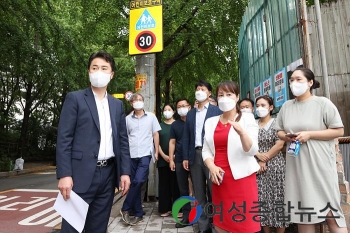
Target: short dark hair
{"type": "Point", "coordinates": [246, 99]}
{"type": "Point", "coordinates": [213, 97]}
{"type": "Point", "coordinates": [230, 86]}
{"type": "Point", "coordinates": [265, 97]}
{"type": "Point", "coordinates": [201, 83]}
{"type": "Point", "coordinates": [104, 55]}
{"type": "Point", "coordinates": [268, 99]}
{"type": "Point", "coordinates": [171, 106]}
{"type": "Point", "coordinates": [182, 99]}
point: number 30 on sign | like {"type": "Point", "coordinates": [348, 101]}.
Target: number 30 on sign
{"type": "Point", "coordinates": [145, 41]}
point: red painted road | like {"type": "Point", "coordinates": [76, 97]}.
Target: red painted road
{"type": "Point", "coordinates": [28, 211]}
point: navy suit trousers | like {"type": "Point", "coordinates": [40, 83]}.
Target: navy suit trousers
{"type": "Point", "coordinates": [100, 199]}
{"type": "Point", "coordinates": [139, 175]}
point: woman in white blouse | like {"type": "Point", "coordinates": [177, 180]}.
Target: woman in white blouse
{"type": "Point", "coordinates": [230, 143]}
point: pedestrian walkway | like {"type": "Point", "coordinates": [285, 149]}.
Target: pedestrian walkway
{"type": "Point", "coordinates": [152, 222]}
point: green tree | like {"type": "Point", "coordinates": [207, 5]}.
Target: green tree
{"type": "Point", "coordinates": [32, 42]}
{"type": "Point", "coordinates": [45, 46]}
{"type": "Point", "coordinates": [200, 42]}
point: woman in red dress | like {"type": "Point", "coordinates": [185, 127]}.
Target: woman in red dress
{"type": "Point", "coordinates": [230, 143]}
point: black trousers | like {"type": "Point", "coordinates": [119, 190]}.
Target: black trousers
{"type": "Point", "coordinates": [202, 188]}
{"type": "Point", "coordinates": [168, 190]}
{"type": "Point", "coordinates": [182, 181]}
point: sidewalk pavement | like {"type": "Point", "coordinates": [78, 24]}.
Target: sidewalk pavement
{"type": "Point", "coordinates": [152, 223]}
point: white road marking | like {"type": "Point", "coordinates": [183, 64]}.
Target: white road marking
{"type": "Point", "coordinates": [36, 190]}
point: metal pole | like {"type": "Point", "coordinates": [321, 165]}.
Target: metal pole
{"type": "Point", "coordinates": [145, 64]}
{"type": "Point", "coordinates": [306, 33]}
{"type": "Point", "coordinates": [322, 49]}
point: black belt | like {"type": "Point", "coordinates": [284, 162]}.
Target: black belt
{"type": "Point", "coordinates": [198, 148]}
{"type": "Point", "coordinates": [105, 162]}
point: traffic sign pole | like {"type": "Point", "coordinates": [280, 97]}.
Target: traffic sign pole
{"type": "Point", "coordinates": [146, 37]}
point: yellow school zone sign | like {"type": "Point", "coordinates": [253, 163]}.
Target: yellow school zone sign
{"type": "Point", "coordinates": [146, 27]}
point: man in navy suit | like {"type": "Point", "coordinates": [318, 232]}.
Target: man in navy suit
{"type": "Point", "coordinates": [193, 134]}
{"type": "Point", "coordinates": [92, 150]}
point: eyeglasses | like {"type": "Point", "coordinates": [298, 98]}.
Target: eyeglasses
{"type": "Point", "coordinates": [183, 106]}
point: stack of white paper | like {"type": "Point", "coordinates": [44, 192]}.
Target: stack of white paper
{"type": "Point", "coordinates": [74, 210]}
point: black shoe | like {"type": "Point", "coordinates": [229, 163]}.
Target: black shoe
{"type": "Point", "coordinates": [206, 231]}
{"type": "Point", "coordinates": [184, 223]}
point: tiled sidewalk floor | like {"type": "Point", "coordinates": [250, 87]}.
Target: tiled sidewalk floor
{"type": "Point", "coordinates": [152, 223]}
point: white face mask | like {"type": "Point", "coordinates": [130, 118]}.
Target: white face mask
{"type": "Point", "coordinates": [262, 112]}
{"type": "Point", "coordinates": [168, 114]}
{"type": "Point", "coordinates": [226, 104]}
{"type": "Point", "coordinates": [182, 111]}
{"type": "Point", "coordinates": [99, 79]}
{"type": "Point", "coordinates": [138, 105]}
{"type": "Point", "coordinates": [298, 88]}
{"type": "Point", "coordinates": [201, 96]}
{"type": "Point", "coordinates": [247, 110]}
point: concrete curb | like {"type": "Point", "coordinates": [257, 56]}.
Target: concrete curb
{"type": "Point", "coordinates": [25, 171]}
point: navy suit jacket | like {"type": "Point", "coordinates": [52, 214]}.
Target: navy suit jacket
{"type": "Point", "coordinates": [78, 139]}
{"type": "Point", "coordinates": [189, 132]}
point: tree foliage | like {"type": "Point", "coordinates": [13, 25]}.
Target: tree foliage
{"type": "Point", "coordinates": [32, 42]}
{"type": "Point", "coordinates": [200, 42]}
{"type": "Point", "coordinates": [45, 45]}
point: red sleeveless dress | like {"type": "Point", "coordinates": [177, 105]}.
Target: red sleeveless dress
{"type": "Point", "coordinates": [233, 199]}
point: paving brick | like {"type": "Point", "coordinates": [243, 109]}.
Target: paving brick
{"type": "Point", "coordinates": [152, 222]}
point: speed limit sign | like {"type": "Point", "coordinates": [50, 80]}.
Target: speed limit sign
{"type": "Point", "coordinates": [145, 41]}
